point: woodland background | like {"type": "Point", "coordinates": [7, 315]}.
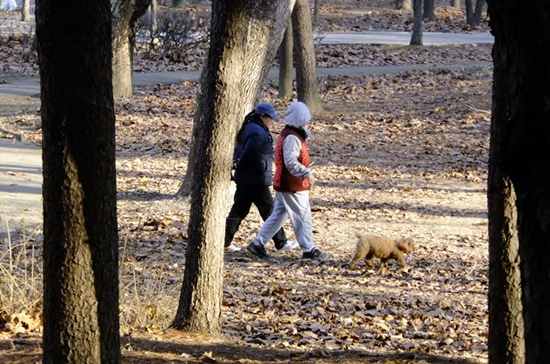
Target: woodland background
{"type": "Point", "coordinates": [395, 154]}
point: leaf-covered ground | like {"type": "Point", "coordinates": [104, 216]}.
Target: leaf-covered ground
{"type": "Point", "coordinates": [402, 155]}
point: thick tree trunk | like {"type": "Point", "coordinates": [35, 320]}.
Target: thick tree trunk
{"type": "Point", "coordinates": [286, 63]}
{"type": "Point", "coordinates": [418, 25]}
{"type": "Point", "coordinates": [125, 15]}
{"type": "Point", "coordinates": [244, 38]}
{"type": "Point", "coordinates": [307, 86]}
{"type": "Point", "coordinates": [259, 49]}
{"type": "Point", "coordinates": [81, 322]}
{"type": "Point", "coordinates": [524, 152]}
{"type": "Point", "coordinates": [506, 335]}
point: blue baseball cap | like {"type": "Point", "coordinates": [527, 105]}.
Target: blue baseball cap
{"type": "Point", "coordinates": [265, 108]}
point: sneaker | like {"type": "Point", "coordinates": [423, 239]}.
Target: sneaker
{"type": "Point", "coordinates": [257, 250]}
{"type": "Point", "coordinates": [315, 254]}
{"type": "Point", "coordinates": [232, 248]}
{"type": "Point", "coordinates": [289, 245]}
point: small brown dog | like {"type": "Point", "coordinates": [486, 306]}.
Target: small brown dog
{"type": "Point", "coordinates": [374, 246]}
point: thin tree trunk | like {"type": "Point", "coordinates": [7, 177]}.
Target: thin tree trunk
{"type": "Point", "coordinates": [26, 11]}
{"type": "Point", "coordinates": [418, 25]}
{"type": "Point", "coordinates": [244, 38]}
{"type": "Point", "coordinates": [125, 15]}
{"type": "Point", "coordinates": [306, 68]}
{"type": "Point", "coordinates": [469, 12]}
{"type": "Point", "coordinates": [476, 19]}
{"type": "Point", "coordinates": [81, 322]}
{"type": "Point", "coordinates": [286, 63]}
{"type": "Point", "coordinates": [428, 9]}
{"type": "Point", "coordinates": [153, 21]}
{"type": "Point", "coordinates": [316, 13]}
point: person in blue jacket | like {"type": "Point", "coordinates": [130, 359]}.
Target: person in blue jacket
{"type": "Point", "coordinates": [253, 164]}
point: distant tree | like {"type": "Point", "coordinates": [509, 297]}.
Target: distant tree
{"type": "Point", "coordinates": [428, 9]}
{"type": "Point", "coordinates": [455, 4]}
{"type": "Point", "coordinates": [304, 49]}
{"type": "Point", "coordinates": [316, 13]}
{"type": "Point", "coordinates": [404, 5]}
{"type": "Point", "coordinates": [519, 197]}
{"type": "Point", "coordinates": [26, 11]}
{"type": "Point", "coordinates": [418, 25]}
{"type": "Point", "coordinates": [473, 15]}
{"type": "Point", "coordinates": [286, 63]}
{"type": "Point", "coordinates": [245, 35]}
{"type": "Point", "coordinates": [153, 14]}
{"type": "Point", "coordinates": [125, 15]}
{"type": "Point", "coordinates": [81, 322]}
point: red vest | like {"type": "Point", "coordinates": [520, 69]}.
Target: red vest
{"type": "Point", "coordinates": [284, 181]}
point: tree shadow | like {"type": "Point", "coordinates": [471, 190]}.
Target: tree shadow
{"type": "Point", "coordinates": [163, 351]}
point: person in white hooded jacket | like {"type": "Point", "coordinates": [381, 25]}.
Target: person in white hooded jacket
{"type": "Point", "coordinates": [292, 181]}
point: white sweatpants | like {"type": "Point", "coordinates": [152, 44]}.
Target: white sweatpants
{"type": "Point", "coordinates": [296, 206]}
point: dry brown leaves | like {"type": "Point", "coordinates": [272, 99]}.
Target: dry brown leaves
{"type": "Point", "coordinates": [398, 154]}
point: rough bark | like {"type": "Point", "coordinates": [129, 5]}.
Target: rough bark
{"type": "Point", "coordinates": [125, 15]}
{"type": "Point", "coordinates": [524, 151]}
{"type": "Point", "coordinates": [286, 63]}
{"type": "Point", "coordinates": [81, 322]}
{"type": "Point", "coordinates": [506, 336]}
{"type": "Point", "coordinates": [244, 38]}
{"type": "Point", "coordinates": [418, 25]}
{"type": "Point", "coordinates": [262, 39]}
{"type": "Point", "coordinates": [307, 86]}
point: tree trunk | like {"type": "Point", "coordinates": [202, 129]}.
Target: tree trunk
{"type": "Point", "coordinates": [506, 345]}
{"type": "Point", "coordinates": [418, 25]}
{"type": "Point", "coordinates": [404, 5]}
{"type": "Point", "coordinates": [125, 15]}
{"type": "Point", "coordinates": [469, 12]}
{"type": "Point", "coordinates": [153, 11]}
{"type": "Point", "coordinates": [428, 9]}
{"type": "Point", "coordinates": [26, 11]}
{"type": "Point", "coordinates": [81, 322]}
{"type": "Point", "coordinates": [255, 47]}
{"type": "Point", "coordinates": [523, 152]}
{"type": "Point", "coordinates": [307, 86]}
{"type": "Point", "coordinates": [476, 18]}
{"type": "Point", "coordinates": [244, 38]}
{"type": "Point", "coordinates": [455, 4]}
{"type": "Point", "coordinates": [316, 13]}
{"type": "Point", "coordinates": [286, 63]}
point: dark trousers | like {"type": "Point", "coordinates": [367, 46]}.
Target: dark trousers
{"type": "Point", "coordinates": [245, 196]}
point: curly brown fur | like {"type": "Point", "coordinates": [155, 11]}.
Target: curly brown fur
{"type": "Point", "coordinates": [374, 246]}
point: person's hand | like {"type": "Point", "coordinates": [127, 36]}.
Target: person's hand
{"type": "Point", "coordinates": [311, 180]}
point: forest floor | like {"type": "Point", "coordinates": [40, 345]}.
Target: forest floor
{"type": "Point", "coordinates": [401, 155]}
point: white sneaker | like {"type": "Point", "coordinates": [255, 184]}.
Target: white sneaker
{"type": "Point", "coordinates": [232, 248]}
{"type": "Point", "coordinates": [289, 245]}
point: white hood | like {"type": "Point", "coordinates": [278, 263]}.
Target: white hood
{"type": "Point", "coordinates": [297, 115]}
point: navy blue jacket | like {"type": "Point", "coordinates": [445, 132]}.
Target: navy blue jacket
{"type": "Point", "coordinates": [253, 155]}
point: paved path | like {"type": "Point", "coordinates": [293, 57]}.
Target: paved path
{"type": "Point", "coordinates": [21, 165]}
{"type": "Point", "coordinates": [20, 187]}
